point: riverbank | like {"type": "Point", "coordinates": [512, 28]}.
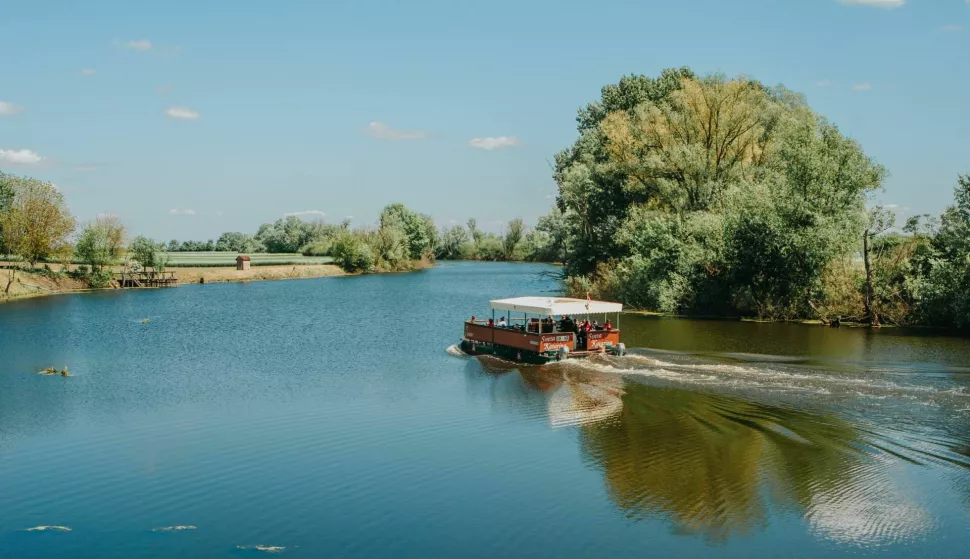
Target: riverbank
{"type": "Point", "coordinates": [32, 284]}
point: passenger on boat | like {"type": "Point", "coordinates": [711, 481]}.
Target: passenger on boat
{"type": "Point", "coordinates": [548, 325]}
{"type": "Point", "coordinates": [491, 323]}
{"type": "Point", "coordinates": [501, 322]}
{"type": "Point", "coordinates": [608, 325]}
{"type": "Point", "coordinates": [567, 324]}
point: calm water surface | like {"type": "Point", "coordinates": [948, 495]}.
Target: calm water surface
{"type": "Point", "coordinates": [331, 417]}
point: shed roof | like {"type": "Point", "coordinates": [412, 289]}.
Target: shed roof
{"type": "Point", "coordinates": [242, 258]}
{"type": "Point", "coordinates": [554, 305]}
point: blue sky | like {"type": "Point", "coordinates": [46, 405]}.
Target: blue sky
{"type": "Point", "coordinates": [188, 119]}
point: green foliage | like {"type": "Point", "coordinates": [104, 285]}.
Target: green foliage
{"type": "Point", "coordinates": [419, 232]}
{"type": "Point", "coordinates": [491, 248]}
{"type": "Point", "coordinates": [940, 277]}
{"type": "Point", "coordinates": [6, 200]}
{"type": "Point", "coordinates": [454, 244]}
{"type": "Point", "coordinates": [237, 242]}
{"type": "Point", "coordinates": [148, 253]}
{"type": "Point", "coordinates": [513, 238]}
{"type": "Point", "coordinates": [318, 248]}
{"type": "Point", "coordinates": [99, 279]}
{"type": "Point", "coordinates": [708, 195]}
{"type": "Point", "coordinates": [352, 253]}
{"type": "Point", "coordinates": [100, 242]}
{"type": "Point", "coordinates": [35, 221]}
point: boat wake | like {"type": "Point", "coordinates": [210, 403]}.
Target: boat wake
{"type": "Point", "coordinates": [456, 351]}
{"type": "Point", "coordinates": [48, 529]}
{"type": "Point", "coordinates": [761, 376]}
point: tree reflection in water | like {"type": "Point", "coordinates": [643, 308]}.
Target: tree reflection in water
{"type": "Point", "coordinates": [714, 465]}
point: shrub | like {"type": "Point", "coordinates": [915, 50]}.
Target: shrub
{"type": "Point", "coordinates": [351, 253]}
{"type": "Point", "coordinates": [318, 248]}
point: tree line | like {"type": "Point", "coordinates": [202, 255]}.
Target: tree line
{"type": "Point", "coordinates": [36, 226]}
{"type": "Point", "coordinates": [714, 196]}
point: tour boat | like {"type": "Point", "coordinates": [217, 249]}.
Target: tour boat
{"type": "Point", "coordinates": [527, 330]}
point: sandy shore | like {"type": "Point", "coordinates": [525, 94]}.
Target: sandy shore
{"type": "Point", "coordinates": [28, 285]}
{"type": "Point", "coordinates": [256, 273]}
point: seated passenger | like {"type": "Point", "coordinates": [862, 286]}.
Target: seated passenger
{"type": "Point", "coordinates": [501, 322]}
{"type": "Point", "coordinates": [608, 325]}
{"type": "Point", "coordinates": [491, 323]}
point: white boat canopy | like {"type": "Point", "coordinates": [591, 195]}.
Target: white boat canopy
{"type": "Point", "coordinates": [548, 306]}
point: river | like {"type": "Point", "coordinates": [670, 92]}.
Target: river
{"type": "Point", "coordinates": [333, 417]}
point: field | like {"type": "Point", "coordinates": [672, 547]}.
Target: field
{"type": "Point", "coordinates": [214, 259]}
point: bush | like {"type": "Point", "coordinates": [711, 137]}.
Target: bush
{"type": "Point", "coordinates": [351, 253]}
{"type": "Point", "coordinates": [318, 248]}
{"type": "Point", "coordinates": [100, 279]}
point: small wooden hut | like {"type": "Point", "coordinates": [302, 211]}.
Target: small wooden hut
{"type": "Point", "coordinates": [242, 262]}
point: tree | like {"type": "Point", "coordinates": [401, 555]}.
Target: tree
{"type": "Point", "coordinates": [878, 221]}
{"type": "Point", "coordinates": [6, 200]}
{"type": "Point", "coordinates": [148, 253]}
{"type": "Point", "coordinates": [100, 242]}
{"type": "Point", "coordinates": [554, 224]}
{"type": "Point", "coordinates": [454, 243]}
{"type": "Point", "coordinates": [513, 236]}
{"type": "Point", "coordinates": [474, 231]}
{"type": "Point", "coordinates": [238, 242]}
{"type": "Point", "coordinates": [415, 227]}
{"type": "Point", "coordinates": [707, 194]}
{"type": "Point", "coordinates": [37, 223]}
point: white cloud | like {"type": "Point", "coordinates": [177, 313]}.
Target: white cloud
{"type": "Point", "coordinates": [875, 3]}
{"type": "Point", "coordinates": [494, 143]}
{"type": "Point", "coordinates": [142, 45]}
{"type": "Point", "coordinates": [305, 213]}
{"type": "Point", "coordinates": [8, 109]}
{"type": "Point", "coordinates": [382, 131]}
{"type": "Point", "coordinates": [181, 212]}
{"type": "Point", "coordinates": [183, 113]}
{"type": "Point", "coordinates": [87, 71]}
{"type": "Point", "coordinates": [824, 83]}
{"type": "Point", "coordinates": [864, 86]}
{"type": "Point", "coordinates": [952, 28]}
{"type": "Point", "coordinates": [20, 157]}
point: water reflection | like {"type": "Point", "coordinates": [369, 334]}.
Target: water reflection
{"type": "Point", "coordinates": [719, 465]}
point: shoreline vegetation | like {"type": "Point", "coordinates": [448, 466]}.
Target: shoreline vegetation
{"type": "Point", "coordinates": [685, 195]}
{"type": "Point", "coordinates": [708, 196]}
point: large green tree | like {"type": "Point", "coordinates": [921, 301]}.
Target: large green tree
{"type": "Point", "coordinates": [709, 194]}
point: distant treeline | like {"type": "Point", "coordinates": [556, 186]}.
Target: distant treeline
{"type": "Point", "coordinates": [716, 196]}
{"type": "Point", "coordinates": [400, 234]}
{"type": "Point", "coordinates": [36, 226]}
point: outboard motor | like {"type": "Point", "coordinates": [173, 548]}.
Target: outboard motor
{"type": "Point", "coordinates": [563, 353]}
{"type": "Point", "coordinates": [619, 349]}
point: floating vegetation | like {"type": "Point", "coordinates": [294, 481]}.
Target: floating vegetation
{"type": "Point", "coordinates": [144, 321]}
{"type": "Point", "coordinates": [53, 371]}
{"type": "Point", "coordinates": [263, 548]}
{"type": "Point", "coordinates": [48, 529]}
{"type": "Point", "coordinates": [173, 528]}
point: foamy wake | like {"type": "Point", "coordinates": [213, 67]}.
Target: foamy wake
{"type": "Point", "coordinates": [173, 528]}
{"type": "Point", "coordinates": [455, 351]}
{"type": "Point", "coordinates": [263, 548]}
{"type": "Point", "coordinates": [48, 529]}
